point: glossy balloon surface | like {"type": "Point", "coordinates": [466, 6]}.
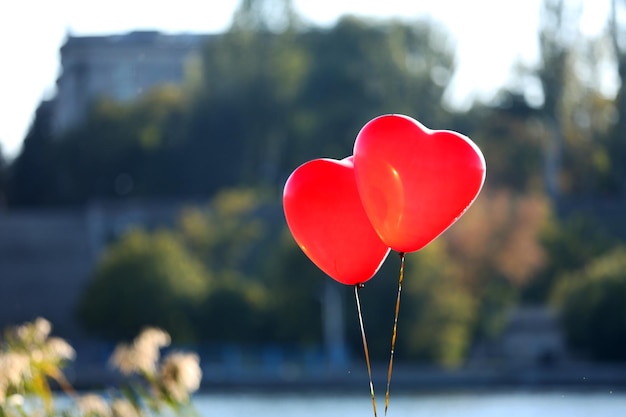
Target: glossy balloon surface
{"type": "Point", "coordinates": [414, 183]}
{"type": "Point", "coordinates": [326, 218]}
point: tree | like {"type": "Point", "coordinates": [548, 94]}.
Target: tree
{"type": "Point", "coordinates": [587, 120]}
{"type": "Point", "coordinates": [591, 301]}
{"type": "Point", "coordinates": [242, 117]}
{"type": "Point", "coordinates": [439, 311]}
{"type": "Point", "coordinates": [125, 150]}
{"type": "Point", "coordinates": [570, 242]}
{"type": "Point", "coordinates": [360, 70]}
{"type": "Point", "coordinates": [508, 130]}
{"type": "Point", "coordinates": [145, 280]}
{"type": "Point", "coordinates": [296, 287]}
{"type": "Point", "coordinates": [578, 113]}
{"type": "Point", "coordinates": [265, 16]}
{"type": "Point", "coordinates": [497, 247]}
{"type": "Point", "coordinates": [232, 236]}
{"type": "Point", "coordinates": [552, 75]}
{"type": "Point", "coordinates": [617, 144]}
{"type": "Point", "coordinates": [270, 101]}
{"type": "Point", "coordinates": [3, 179]}
{"type": "Point", "coordinates": [32, 181]}
{"type": "Point", "coordinates": [227, 233]}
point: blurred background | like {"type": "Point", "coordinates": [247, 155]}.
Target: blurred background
{"type": "Point", "coordinates": [146, 189]}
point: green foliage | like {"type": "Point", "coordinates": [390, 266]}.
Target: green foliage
{"type": "Point", "coordinates": [571, 243]}
{"type": "Point", "coordinates": [226, 233]}
{"type": "Point", "coordinates": [145, 279]}
{"type": "Point", "coordinates": [3, 179]}
{"type": "Point", "coordinates": [506, 133]}
{"type": "Point", "coordinates": [232, 314]}
{"type": "Point", "coordinates": [199, 281]}
{"type": "Point", "coordinates": [439, 312]}
{"type": "Point", "coordinates": [254, 261]}
{"type": "Point", "coordinates": [31, 180]}
{"type": "Point", "coordinates": [295, 286]}
{"type": "Point", "coordinates": [591, 301]}
{"type": "Point", "coordinates": [360, 70]}
{"type": "Point", "coordinates": [227, 236]}
{"type": "Point", "coordinates": [136, 141]}
{"type": "Point", "coordinates": [265, 16]}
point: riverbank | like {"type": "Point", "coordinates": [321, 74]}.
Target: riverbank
{"type": "Point", "coordinates": [411, 378]}
{"type": "Point", "coordinates": [405, 378]}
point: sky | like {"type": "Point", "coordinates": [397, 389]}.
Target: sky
{"type": "Point", "coordinates": [490, 36]}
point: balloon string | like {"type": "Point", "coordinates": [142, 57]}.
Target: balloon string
{"type": "Point", "coordinates": [395, 331]}
{"type": "Point", "coordinates": [367, 354]}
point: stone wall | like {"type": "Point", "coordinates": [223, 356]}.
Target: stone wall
{"type": "Point", "coordinates": [45, 260]}
{"type": "Point", "coordinates": [47, 257]}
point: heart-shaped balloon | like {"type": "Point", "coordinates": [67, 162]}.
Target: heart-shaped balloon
{"type": "Point", "coordinates": [414, 182]}
{"type": "Point", "coordinates": [326, 218]}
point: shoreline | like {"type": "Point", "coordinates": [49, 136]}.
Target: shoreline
{"type": "Point", "coordinates": [406, 378]}
{"type": "Point", "coordinates": [434, 381]}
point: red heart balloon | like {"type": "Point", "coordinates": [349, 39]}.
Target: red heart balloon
{"type": "Point", "coordinates": [326, 218]}
{"type": "Point", "coordinates": [414, 182]}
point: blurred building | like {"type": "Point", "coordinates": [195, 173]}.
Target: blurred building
{"type": "Point", "coordinates": [120, 67]}
{"type": "Point", "coordinates": [533, 337]}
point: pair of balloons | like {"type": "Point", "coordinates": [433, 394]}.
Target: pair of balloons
{"type": "Point", "coordinates": [402, 188]}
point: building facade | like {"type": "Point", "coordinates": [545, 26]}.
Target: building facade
{"type": "Point", "coordinates": [119, 67]}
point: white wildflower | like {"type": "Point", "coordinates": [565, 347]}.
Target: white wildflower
{"type": "Point", "coordinates": [58, 350]}
{"type": "Point", "coordinates": [123, 359]}
{"type": "Point", "coordinates": [14, 368]}
{"type": "Point", "coordinates": [130, 360]}
{"type": "Point", "coordinates": [36, 354]}
{"type": "Point", "coordinates": [42, 329]}
{"type": "Point", "coordinates": [143, 355]}
{"type": "Point", "coordinates": [181, 375]}
{"type": "Point", "coordinates": [33, 333]}
{"type": "Point", "coordinates": [23, 332]}
{"type": "Point", "coordinates": [92, 405]}
{"type": "Point", "coordinates": [153, 338]}
{"type": "Point", "coordinates": [15, 400]}
{"type": "Point", "coordinates": [124, 408]}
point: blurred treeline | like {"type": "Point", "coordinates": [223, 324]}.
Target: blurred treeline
{"type": "Point", "coordinates": [273, 92]}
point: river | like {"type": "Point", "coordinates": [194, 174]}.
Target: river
{"type": "Point", "coordinates": [601, 403]}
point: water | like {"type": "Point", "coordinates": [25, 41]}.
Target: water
{"type": "Point", "coordinates": [514, 404]}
